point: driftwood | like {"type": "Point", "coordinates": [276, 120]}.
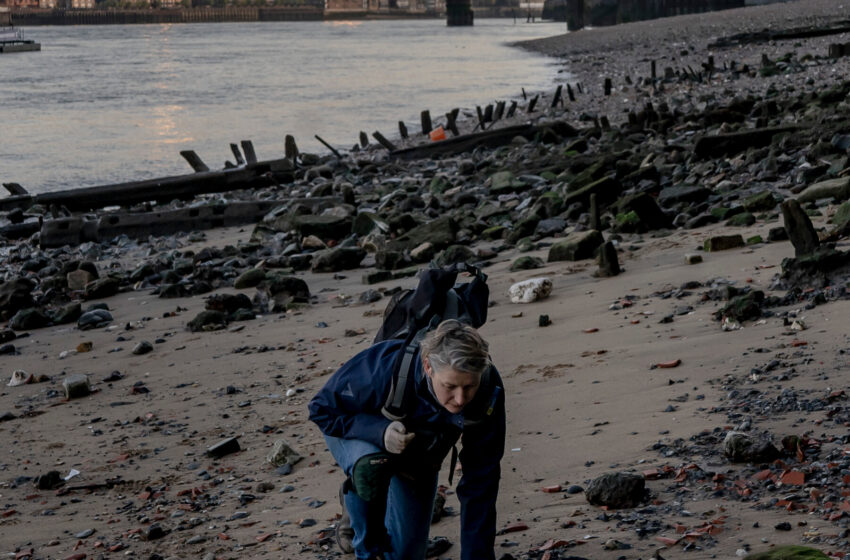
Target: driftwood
{"type": "Point", "coordinates": [163, 189]}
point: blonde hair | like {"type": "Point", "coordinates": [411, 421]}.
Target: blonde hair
{"type": "Point", "coordinates": [456, 345]}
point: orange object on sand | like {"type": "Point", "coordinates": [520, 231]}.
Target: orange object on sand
{"type": "Point", "coordinates": [438, 134]}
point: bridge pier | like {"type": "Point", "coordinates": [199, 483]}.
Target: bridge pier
{"type": "Point", "coordinates": [458, 12]}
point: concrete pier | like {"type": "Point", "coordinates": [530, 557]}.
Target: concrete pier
{"type": "Point", "coordinates": [459, 12]}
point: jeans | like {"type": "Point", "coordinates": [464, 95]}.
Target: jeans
{"type": "Point", "coordinates": [397, 529]}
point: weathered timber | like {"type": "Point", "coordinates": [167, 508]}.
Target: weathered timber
{"type": "Point", "coordinates": [248, 150]}
{"type": "Point", "coordinates": [736, 142]}
{"type": "Point", "coordinates": [425, 118]}
{"type": "Point", "coordinates": [451, 121]}
{"type": "Point", "coordinates": [570, 93]}
{"type": "Point", "coordinates": [511, 109]}
{"type": "Point", "coordinates": [195, 161]}
{"type": "Point", "coordinates": [488, 113]}
{"type": "Point", "coordinates": [800, 230]}
{"type": "Point", "coordinates": [532, 103]}
{"type": "Point", "coordinates": [162, 189]}
{"type": "Point", "coordinates": [237, 154]}
{"type": "Point", "coordinates": [328, 146]}
{"type": "Point", "coordinates": [480, 114]}
{"type": "Point", "coordinates": [499, 112]}
{"type": "Point", "coordinates": [782, 35]}
{"type": "Point", "coordinates": [402, 129]}
{"type": "Point", "coordinates": [364, 139]}
{"type": "Point", "coordinates": [607, 86]}
{"type": "Point", "coordinates": [290, 148]}
{"type": "Point", "coordinates": [382, 140]}
{"type": "Point", "coordinates": [557, 98]}
{"type": "Point", "coordinates": [15, 189]}
{"type": "Point", "coordinates": [459, 144]}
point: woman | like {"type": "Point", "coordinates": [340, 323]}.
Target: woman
{"type": "Point", "coordinates": [392, 465]}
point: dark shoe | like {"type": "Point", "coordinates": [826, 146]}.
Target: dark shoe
{"type": "Point", "coordinates": [344, 533]}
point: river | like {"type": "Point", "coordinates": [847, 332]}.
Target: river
{"type": "Point", "coordinates": [104, 104]}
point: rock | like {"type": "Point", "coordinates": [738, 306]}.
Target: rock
{"type": "Point", "coordinates": [456, 254]}
{"type": "Point", "coordinates": [743, 448]}
{"type": "Point", "coordinates": [550, 227]}
{"type": "Point", "coordinates": [741, 220]}
{"type": "Point", "coordinates": [282, 454]}
{"type": "Point", "coordinates": [761, 202]}
{"type": "Point", "coordinates": [224, 447]}
{"type": "Point", "coordinates": [154, 532]}
{"type": "Point", "coordinates": [838, 189]}
{"type": "Point", "coordinates": [616, 490]}
{"type": "Point", "coordinates": [228, 303]}
{"type": "Point", "coordinates": [102, 288]}
{"type": "Point", "coordinates": [576, 246]}
{"type": "Point", "coordinates": [78, 280]}
{"type": "Point", "coordinates": [7, 349]}
{"type": "Point", "coordinates": [250, 279]}
{"type": "Point", "coordinates": [524, 228]}
{"type": "Point", "coordinates": [337, 259]}
{"type": "Point", "coordinates": [789, 552]}
{"type": "Point", "coordinates": [7, 335]}
{"type": "Point", "coordinates": [723, 242]}
{"type": "Point", "coordinates": [67, 313]}
{"type": "Point", "coordinates": [441, 233]}
{"type": "Point", "coordinates": [693, 258]}
{"type": "Point", "coordinates": [606, 189]}
{"type": "Point", "coordinates": [503, 182]}
{"type": "Point", "coordinates": [640, 213]}
{"type": "Point", "coordinates": [526, 262]}
{"type": "Point", "coordinates": [324, 227]}
{"type": "Point", "coordinates": [94, 319]}
{"type": "Point", "coordinates": [49, 480]}
{"type": "Point", "coordinates": [799, 228]}
{"type": "Point", "coordinates": [530, 290]}
{"type": "Point", "coordinates": [20, 377]}
{"type": "Point", "coordinates": [15, 294]}
{"type": "Point", "coordinates": [26, 319]}
{"type": "Point", "coordinates": [142, 348]}
{"type": "Point", "coordinates": [743, 307]}
{"type": "Point", "coordinates": [76, 386]}
{"type": "Point", "coordinates": [544, 321]}
{"type": "Point", "coordinates": [368, 222]}
{"type": "Point", "coordinates": [285, 289]}
{"type": "Point", "coordinates": [609, 264]}
{"type": "Point", "coordinates": [842, 216]}
{"type": "Point", "coordinates": [682, 193]}
{"type": "Point", "coordinates": [313, 243]}
{"type": "Point", "coordinates": [822, 268]}
{"type": "Point", "coordinates": [424, 252]}
{"type": "Point", "coordinates": [208, 321]}
{"type": "Point", "coordinates": [717, 145]}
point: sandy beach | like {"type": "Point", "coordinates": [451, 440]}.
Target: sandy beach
{"type": "Point", "coordinates": [633, 374]}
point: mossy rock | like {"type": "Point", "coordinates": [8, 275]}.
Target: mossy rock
{"type": "Point", "coordinates": [755, 240]}
{"type": "Point", "coordinates": [723, 243]}
{"type": "Point", "coordinates": [526, 262]}
{"type": "Point", "coordinates": [761, 202]}
{"type": "Point", "coordinates": [741, 220]}
{"type": "Point", "coordinates": [250, 279]}
{"type": "Point", "coordinates": [627, 219]}
{"type": "Point", "coordinates": [842, 215]}
{"type": "Point", "coordinates": [789, 552]}
{"type": "Point", "coordinates": [456, 254]}
{"type": "Point", "coordinates": [439, 184]}
{"type": "Point", "coordinates": [576, 246]}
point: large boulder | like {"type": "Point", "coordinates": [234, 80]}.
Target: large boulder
{"type": "Point", "coordinates": [617, 490]}
{"type": "Point", "coordinates": [30, 318]}
{"type": "Point", "coordinates": [576, 246]}
{"type": "Point", "coordinates": [838, 189]}
{"type": "Point", "coordinates": [339, 258]}
{"type": "Point", "coordinates": [441, 233]}
{"type": "Point", "coordinates": [16, 294]}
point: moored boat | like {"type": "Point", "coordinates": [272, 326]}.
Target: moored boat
{"type": "Point", "coordinates": [11, 39]}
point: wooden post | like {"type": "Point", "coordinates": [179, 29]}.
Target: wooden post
{"type": "Point", "coordinates": [532, 103]}
{"type": "Point", "coordinates": [328, 146]}
{"type": "Point", "coordinates": [290, 149]}
{"type": "Point", "coordinates": [425, 117]}
{"type": "Point", "coordinates": [557, 98]}
{"type": "Point", "coordinates": [524, 96]}
{"type": "Point", "coordinates": [570, 93]}
{"type": "Point", "coordinates": [15, 189]}
{"type": "Point", "coordinates": [603, 121]}
{"type": "Point", "coordinates": [383, 141]}
{"type": "Point", "coordinates": [488, 113]}
{"type": "Point", "coordinates": [237, 154]}
{"type": "Point", "coordinates": [195, 161]}
{"type": "Point", "coordinates": [248, 150]}
{"type": "Point", "coordinates": [607, 86]}
{"type": "Point", "coordinates": [594, 213]}
{"type": "Point", "coordinates": [451, 121]}
{"type": "Point", "coordinates": [364, 139]}
{"type": "Point", "coordinates": [402, 129]}
{"type": "Point", "coordinates": [499, 112]}
{"type": "Point", "coordinates": [480, 114]}
{"type": "Point", "coordinates": [652, 71]}
{"type": "Point", "coordinates": [799, 228]}
{"type": "Point", "coordinates": [511, 110]}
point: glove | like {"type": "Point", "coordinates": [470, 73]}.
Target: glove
{"type": "Point", "coordinates": [396, 437]}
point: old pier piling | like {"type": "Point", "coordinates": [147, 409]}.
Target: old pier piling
{"type": "Point", "coordinates": [581, 13]}
{"type": "Point", "coordinates": [459, 12]}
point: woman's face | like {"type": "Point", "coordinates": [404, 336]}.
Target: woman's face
{"type": "Point", "coordinates": [453, 389]}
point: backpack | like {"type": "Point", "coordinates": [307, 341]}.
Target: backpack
{"type": "Point", "coordinates": [411, 314]}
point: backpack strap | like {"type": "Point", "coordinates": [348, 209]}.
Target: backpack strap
{"type": "Point", "coordinates": [394, 408]}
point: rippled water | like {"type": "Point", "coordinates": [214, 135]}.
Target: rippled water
{"type": "Point", "coordinates": [105, 104]}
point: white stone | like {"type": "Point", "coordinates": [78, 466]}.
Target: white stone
{"type": "Point", "coordinates": [20, 377]}
{"type": "Point", "coordinates": [530, 290]}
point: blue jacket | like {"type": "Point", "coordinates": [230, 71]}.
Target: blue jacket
{"type": "Point", "coordinates": [349, 407]}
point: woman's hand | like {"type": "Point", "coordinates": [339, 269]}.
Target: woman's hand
{"type": "Point", "coordinates": [396, 437]}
